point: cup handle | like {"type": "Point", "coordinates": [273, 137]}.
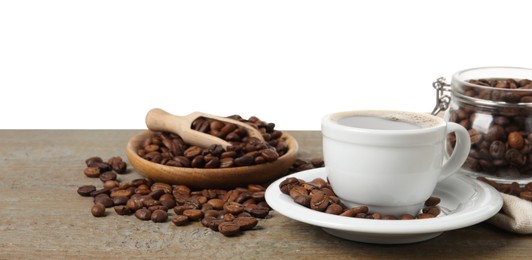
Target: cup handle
{"type": "Point", "coordinates": [460, 152]}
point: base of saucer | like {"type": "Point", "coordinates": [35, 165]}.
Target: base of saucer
{"type": "Point", "coordinates": [390, 239]}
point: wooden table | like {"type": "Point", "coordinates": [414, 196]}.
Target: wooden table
{"type": "Point", "coordinates": [41, 215]}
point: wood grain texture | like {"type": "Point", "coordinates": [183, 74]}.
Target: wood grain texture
{"type": "Point", "coordinates": [42, 216]}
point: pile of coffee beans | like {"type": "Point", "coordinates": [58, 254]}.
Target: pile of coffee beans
{"type": "Point", "coordinates": [500, 134]}
{"type": "Point", "coordinates": [514, 189]}
{"type": "Point", "coordinates": [170, 149]}
{"type": "Point", "coordinates": [227, 211]}
{"type": "Point", "coordinates": [318, 195]}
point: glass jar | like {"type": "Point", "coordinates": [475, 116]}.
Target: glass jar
{"type": "Point", "coordinates": [495, 105]}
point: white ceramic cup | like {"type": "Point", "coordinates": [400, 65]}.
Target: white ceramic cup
{"type": "Point", "coordinates": [379, 163]}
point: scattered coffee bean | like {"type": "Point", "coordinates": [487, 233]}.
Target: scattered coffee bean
{"type": "Point", "coordinates": [159, 215]}
{"type": "Point", "coordinates": [86, 190]}
{"type": "Point", "coordinates": [92, 172]}
{"type": "Point", "coordinates": [122, 210]}
{"type": "Point", "coordinates": [228, 228]}
{"type": "Point", "coordinates": [180, 220]}
{"type": "Point", "coordinates": [98, 210]}
{"type": "Point", "coordinates": [143, 214]}
{"type": "Point", "coordinates": [107, 176]}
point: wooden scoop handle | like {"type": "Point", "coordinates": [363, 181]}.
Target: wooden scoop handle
{"type": "Point", "coordinates": [160, 120]}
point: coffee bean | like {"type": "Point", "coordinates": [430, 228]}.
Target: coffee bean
{"type": "Point", "coordinates": [515, 140]}
{"type": "Point", "coordinates": [245, 160]}
{"type": "Point", "coordinates": [86, 190]}
{"type": "Point", "coordinates": [121, 200]}
{"type": "Point", "coordinates": [92, 172]}
{"type": "Point", "coordinates": [334, 209]}
{"type": "Point", "coordinates": [159, 215]}
{"type": "Point", "coordinates": [228, 228]}
{"type": "Point", "coordinates": [122, 210]}
{"type": "Point", "coordinates": [180, 220]}
{"type": "Point", "coordinates": [98, 210]}
{"type": "Point", "coordinates": [319, 200]}
{"type": "Point", "coordinates": [104, 200]}
{"type": "Point", "coordinates": [143, 214]}
{"type": "Point", "coordinates": [246, 223]}
{"type": "Point", "coordinates": [425, 216]}
{"type": "Point", "coordinates": [406, 217]}
{"type": "Point", "coordinates": [233, 207]}
{"type": "Point", "coordinates": [193, 214]}
{"type": "Point", "coordinates": [497, 149]}
{"type": "Point", "coordinates": [108, 176]}
{"type": "Point", "coordinates": [92, 160]}
{"type": "Point", "coordinates": [432, 201]}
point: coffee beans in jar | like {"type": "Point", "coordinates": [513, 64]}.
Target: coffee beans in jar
{"type": "Point", "coordinates": [495, 106]}
{"type": "Point", "coordinates": [171, 150]}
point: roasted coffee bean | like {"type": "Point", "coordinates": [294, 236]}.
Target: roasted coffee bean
{"type": "Point", "coordinates": [298, 191]}
{"type": "Point", "coordinates": [110, 184]}
{"type": "Point", "coordinates": [104, 200]}
{"type": "Point", "coordinates": [244, 160]}
{"type": "Point", "coordinates": [435, 211]}
{"type": "Point", "coordinates": [406, 217]}
{"type": "Point", "coordinates": [514, 157]}
{"type": "Point", "coordinates": [107, 176]}
{"type": "Point", "coordinates": [497, 149]}
{"type": "Point", "coordinates": [103, 166]}
{"type": "Point", "coordinates": [286, 185]}
{"type": "Point", "coordinates": [302, 200]}
{"type": "Point", "coordinates": [425, 216]}
{"type": "Point", "coordinates": [319, 200]}
{"type": "Point", "coordinates": [180, 220]}
{"type": "Point", "coordinates": [121, 193]}
{"type": "Point", "coordinates": [92, 172]}
{"type": "Point", "coordinates": [159, 215]}
{"type": "Point", "coordinates": [120, 200]}
{"type": "Point", "coordinates": [334, 209]}
{"type": "Point", "coordinates": [92, 160]}
{"type": "Point", "coordinates": [233, 207]}
{"type": "Point", "coordinates": [143, 214]}
{"type": "Point", "coordinates": [123, 210]}
{"type": "Point", "coordinates": [228, 228]}
{"type": "Point", "coordinates": [216, 203]}
{"type": "Point", "coordinates": [245, 223]}
{"type": "Point", "coordinates": [432, 201]}
{"type": "Point", "coordinates": [86, 190]}
{"type": "Point", "coordinates": [98, 210]}
{"type": "Point", "coordinates": [193, 214]}
{"type": "Point", "coordinates": [100, 191]}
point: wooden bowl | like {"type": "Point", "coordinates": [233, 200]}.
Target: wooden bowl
{"type": "Point", "coordinates": [212, 178]}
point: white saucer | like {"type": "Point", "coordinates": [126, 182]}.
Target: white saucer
{"type": "Point", "coordinates": [464, 202]}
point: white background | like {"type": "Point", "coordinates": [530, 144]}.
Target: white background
{"type": "Point", "coordinates": [104, 64]}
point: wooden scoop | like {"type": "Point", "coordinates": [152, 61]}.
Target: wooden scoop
{"type": "Point", "coordinates": [160, 120]}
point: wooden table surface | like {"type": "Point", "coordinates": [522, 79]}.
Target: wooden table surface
{"type": "Point", "coordinates": [42, 216]}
